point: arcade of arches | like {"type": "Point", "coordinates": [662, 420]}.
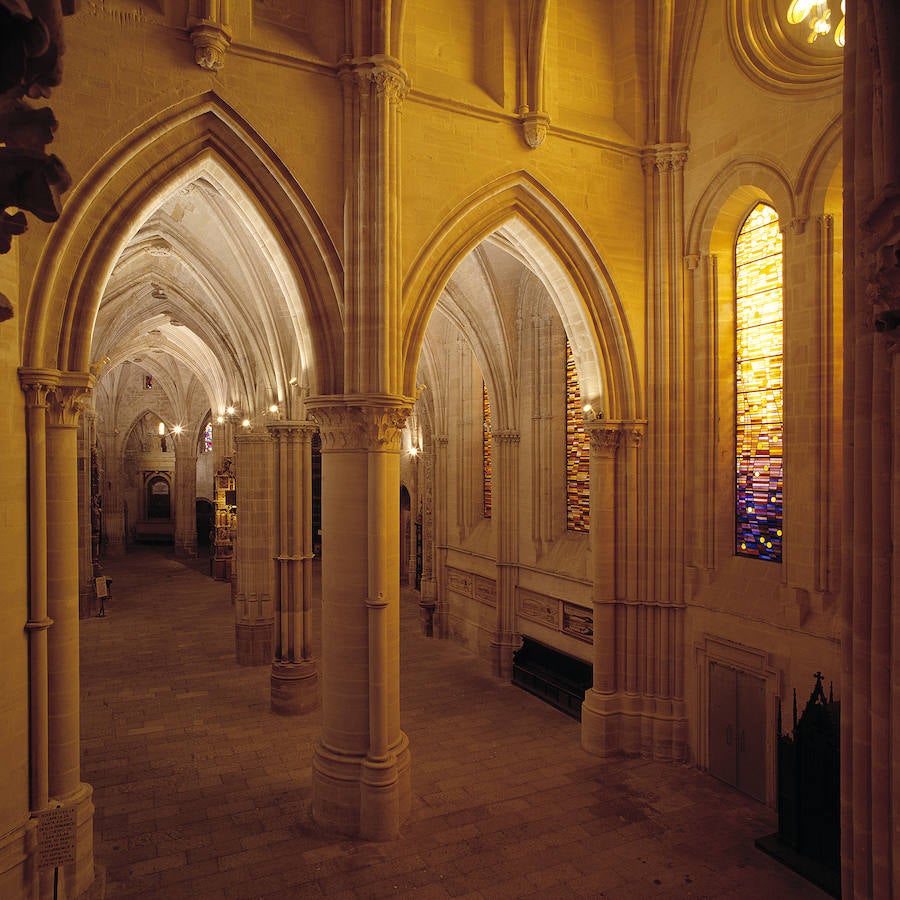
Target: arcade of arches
{"type": "Point", "coordinates": [313, 258]}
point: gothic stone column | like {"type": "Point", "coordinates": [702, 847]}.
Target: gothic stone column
{"type": "Point", "coordinates": [64, 760]}
{"type": "Point", "coordinates": [428, 591]}
{"type": "Point", "coordinates": [253, 550]}
{"type": "Point", "coordinates": [602, 707]}
{"type": "Point", "coordinates": [505, 642]}
{"type": "Point", "coordinates": [295, 675]}
{"type": "Point", "coordinates": [87, 596]}
{"type": "Point", "coordinates": [361, 766]}
{"type": "Point", "coordinates": [870, 640]}
{"type": "Point", "coordinates": [441, 487]}
{"type": "Point", "coordinates": [185, 496]}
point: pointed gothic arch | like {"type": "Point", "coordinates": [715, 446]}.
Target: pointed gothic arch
{"type": "Point", "coordinates": [129, 182]}
{"type": "Point", "coordinates": [533, 224]}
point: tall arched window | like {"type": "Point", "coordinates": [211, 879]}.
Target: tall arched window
{"type": "Point", "coordinates": [487, 462]}
{"type": "Point", "coordinates": [759, 390]}
{"type": "Point", "coordinates": [578, 454]}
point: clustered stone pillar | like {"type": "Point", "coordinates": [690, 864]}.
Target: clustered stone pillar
{"type": "Point", "coordinates": [441, 626]}
{"type": "Point", "coordinates": [601, 710]}
{"type": "Point", "coordinates": [506, 505]}
{"type": "Point", "coordinates": [54, 403]}
{"type": "Point", "coordinates": [86, 592]}
{"type": "Point", "coordinates": [361, 765]}
{"type": "Point", "coordinates": [295, 676]}
{"type": "Point", "coordinates": [185, 496]}
{"type": "Point", "coordinates": [428, 592]}
{"type": "Point", "coordinates": [253, 551]}
{"type": "Point", "coordinates": [870, 648]}
{"type": "Point", "coordinates": [111, 490]}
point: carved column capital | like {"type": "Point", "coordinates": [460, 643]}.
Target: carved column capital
{"type": "Point", "coordinates": [291, 430]}
{"type": "Point", "coordinates": [384, 74]}
{"type": "Point", "coordinates": [605, 437]}
{"type": "Point", "coordinates": [68, 399]}
{"type": "Point", "coordinates": [37, 385]}
{"type": "Point", "coordinates": [664, 158]}
{"type": "Point", "coordinates": [253, 437]}
{"type": "Point", "coordinates": [360, 423]}
{"type": "Point", "coordinates": [506, 436]}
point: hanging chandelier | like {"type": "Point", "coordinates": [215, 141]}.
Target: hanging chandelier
{"type": "Point", "coordinates": [817, 15]}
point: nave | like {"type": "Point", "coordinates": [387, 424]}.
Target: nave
{"type": "Point", "coordinates": [201, 792]}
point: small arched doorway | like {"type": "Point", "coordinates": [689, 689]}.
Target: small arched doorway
{"type": "Point", "coordinates": [205, 520]}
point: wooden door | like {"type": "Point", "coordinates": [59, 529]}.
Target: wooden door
{"type": "Point", "coordinates": [737, 729]}
{"type": "Point", "coordinates": [722, 723]}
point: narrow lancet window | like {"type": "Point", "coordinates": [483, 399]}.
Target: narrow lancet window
{"type": "Point", "coordinates": [759, 426]}
{"type": "Point", "coordinates": [486, 452]}
{"type": "Point", "coordinates": [578, 454]}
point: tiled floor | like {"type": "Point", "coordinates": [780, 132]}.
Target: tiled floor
{"type": "Point", "coordinates": [201, 792]}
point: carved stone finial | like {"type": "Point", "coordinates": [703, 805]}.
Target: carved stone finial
{"type": "Point", "coordinates": [535, 126]}
{"type": "Point", "coordinates": [210, 40]}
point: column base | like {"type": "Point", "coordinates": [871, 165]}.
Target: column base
{"type": "Point", "coordinates": [185, 551]}
{"type": "Point", "coordinates": [18, 860]}
{"type": "Point", "coordinates": [253, 643]}
{"type": "Point", "coordinates": [426, 618]}
{"type": "Point", "coordinates": [294, 687]}
{"type": "Point", "coordinates": [76, 879]}
{"type": "Point", "coordinates": [359, 796]}
{"type": "Point", "coordinates": [633, 725]}
{"type": "Point", "coordinates": [503, 646]}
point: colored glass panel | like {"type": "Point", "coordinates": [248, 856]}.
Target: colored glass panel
{"type": "Point", "coordinates": [578, 454]}
{"type": "Point", "coordinates": [486, 453]}
{"type": "Point", "coordinates": [759, 374]}
{"type": "Point", "coordinates": [207, 438]}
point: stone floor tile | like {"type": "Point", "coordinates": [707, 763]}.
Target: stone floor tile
{"type": "Point", "coordinates": [202, 793]}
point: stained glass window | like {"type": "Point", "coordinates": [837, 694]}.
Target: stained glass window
{"type": "Point", "coordinates": [486, 451]}
{"type": "Point", "coordinates": [578, 454]}
{"type": "Point", "coordinates": [207, 438]}
{"type": "Point", "coordinates": [759, 342]}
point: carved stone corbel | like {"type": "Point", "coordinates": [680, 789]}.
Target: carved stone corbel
{"type": "Point", "coordinates": [535, 126]}
{"type": "Point", "coordinates": [210, 40]}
